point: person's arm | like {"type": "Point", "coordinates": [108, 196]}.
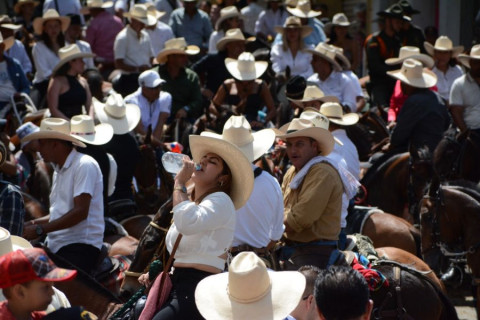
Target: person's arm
{"type": "Point", "coordinates": [53, 92]}
{"type": "Point", "coordinates": [12, 210]}
{"type": "Point", "coordinates": [39, 55]}
{"type": "Point", "coordinates": [158, 131]}
{"type": "Point", "coordinates": [218, 100]}
{"type": "Point", "coordinates": [407, 119]}
{"type": "Point", "coordinates": [276, 57]}
{"type": "Point", "coordinates": [268, 100]}
{"type": "Point", "coordinates": [457, 115]}
{"type": "Point", "coordinates": [88, 101]}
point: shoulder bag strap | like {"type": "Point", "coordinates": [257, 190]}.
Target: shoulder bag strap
{"type": "Point", "coordinates": [172, 255]}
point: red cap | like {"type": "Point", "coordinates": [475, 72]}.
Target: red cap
{"type": "Point", "coordinates": [30, 264]}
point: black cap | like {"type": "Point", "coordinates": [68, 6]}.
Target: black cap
{"type": "Point", "coordinates": [407, 7]}
{"type": "Point", "coordinates": [394, 11]}
{"type": "Point", "coordinates": [295, 87]}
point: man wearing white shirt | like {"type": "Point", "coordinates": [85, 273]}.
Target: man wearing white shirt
{"type": "Point", "coordinates": [250, 15]}
{"type": "Point", "coordinates": [73, 34]}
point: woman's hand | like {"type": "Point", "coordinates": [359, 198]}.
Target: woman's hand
{"type": "Point", "coordinates": [186, 172]}
{"type": "Point", "coordinates": [144, 280]}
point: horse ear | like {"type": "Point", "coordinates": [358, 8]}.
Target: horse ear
{"type": "Point", "coordinates": [148, 138]}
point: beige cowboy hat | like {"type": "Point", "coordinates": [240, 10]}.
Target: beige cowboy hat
{"type": "Point", "coordinates": [334, 112]}
{"type": "Point", "coordinates": [123, 117]}
{"type": "Point", "coordinates": [230, 36]}
{"type": "Point", "coordinates": [409, 52]}
{"type": "Point", "coordinates": [68, 53]}
{"type": "Point", "coordinates": [240, 166]}
{"type": "Point", "coordinates": [237, 130]}
{"type": "Point", "coordinates": [306, 128]}
{"type": "Point", "coordinates": [139, 12]}
{"type": "Point", "coordinates": [413, 74]}
{"type": "Point", "coordinates": [443, 43]}
{"type": "Point", "coordinates": [474, 54]}
{"type": "Point", "coordinates": [54, 128]}
{"type": "Point", "coordinates": [176, 46]}
{"type": "Point", "coordinates": [227, 13]}
{"type": "Point", "coordinates": [325, 51]}
{"type": "Point", "coordinates": [249, 291]}
{"type": "Point", "coordinates": [10, 243]}
{"type": "Point", "coordinates": [7, 23]}
{"type": "Point", "coordinates": [338, 20]}
{"type": "Point", "coordinates": [84, 129]}
{"type": "Point", "coordinates": [340, 57]}
{"type": "Point", "coordinates": [303, 9]}
{"type": "Point", "coordinates": [152, 10]}
{"type": "Point", "coordinates": [50, 14]}
{"type": "Point", "coordinates": [313, 93]}
{"type": "Point", "coordinates": [8, 42]}
{"type": "Point", "coordinates": [20, 3]}
{"type": "Point", "coordinates": [293, 22]}
{"type": "Point", "coordinates": [96, 4]}
{"type": "Point", "coordinates": [245, 67]}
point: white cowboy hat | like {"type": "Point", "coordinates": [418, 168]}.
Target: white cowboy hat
{"type": "Point", "coordinates": [237, 130]}
{"type": "Point", "coordinates": [7, 23]}
{"type": "Point", "coordinates": [84, 129]}
{"type": "Point", "coordinates": [334, 112]}
{"type": "Point", "coordinates": [20, 3]}
{"type": "Point", "coordinates": [240, 166]}
{"type": "Point", "coordinates": [10, 243]}
{"type": "Point", "coordinates": [96, 4]}
{"type": "Point", "coordinates": [326, 52]}
{"type": "Point", "coordinates": [121, 116]}
{"type": "Point", "coordinates": [69, 53]}
{"type": "Point", "coordinates": [443, 43]}
{"type": "Point", "coordinates": [245, 67]}
{"type": "Point", "coordinates": [340, 57]}
{"type": "Point", "coordinates": [176, 46]}
{"type": "Point", "coordinates": [313, 93]}
{"type": "Point", "coordinates": [304, 10]}
{"type": "Point", "coordinates": [407, 52]}
{"type": "Point", "coordinates": [413, 74]}
{"type": "Point", "coordinates": [139, 12]}
{"type": "Point", "coordinates": [474, 54]}
{"type": "Point", "coordinates": [227, 13]}
{"type": "Point", "coordinates": [249, 291]}
{"type": "Point", "coordinates": [152, 10]}
{"type": "Point", "coordinates": [230, 36]}
{"type": "Point", "coordinates": [54, 128]}
{"type": "Point", "coordinates": [294, 22]}
{"type": "Point", "coordinates": [8, 42]}
{"type": "Point", "coordinates": [306, 128]}
{"type": "Point", "coordinates": [50, 14]}
{"type": "Point", "coordinates": [340, 20]}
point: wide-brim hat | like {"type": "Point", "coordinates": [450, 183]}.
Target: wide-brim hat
{"type": "Point", "coordinates": [8, 42]}
{"type": "Point", "coordinates": [7, 23]}
{"type": "Point", "coordinates": [334, 112]}
{"type": "Point", "coordinates": [237, 130]}
{"type": "Point", "coordinates": [54, 128]}
{"type": "Point", "coordinates": [409, 52]}
{"type": "Point", "coordinates": [249, 291]}
{"type": "Point", "coordinates": [68, 53]}
{"type": "Point", "coordinates": [326, 52]}
{"type": "Point", "coordinates": [50, 14]}
{"type": "Point", "coordinates": [20, 3]}
{"type": "Point", "coordinates": [152, 10]}
{"type": "Point", "coordinates": [313, 93]}
{"type": "Point", "coordinates": [474, 54]}
{"type": "Point", "coordinates": [413, 74]}
{"type": "Point", "coordinates": [123, 117]}
{"type": "Point", "coordinates": [294, 22]}
{"type": "Point", "coordinates": [227, 13]}
{"type": "Point", "coordinates": [303, 9]}
{"type": "Point", "coordinates": [176, 46]}
{"type": "Point", "coordinates": [230, 36]}
{"type": "Point", "coordinates": [295, 87]}
{"type": "Point", "coordinates": [394, 11]}
{"type": "Point", "coordinates": [340, 57]}
{"type": "Point", "coordinates": [443, 43]}
{"type": "Point", "coordinates": [96, 4]}
{"type": "Point", "coordinates": [338, 20]}
{"type": "Point", "coordinates": [245, 67]}
{"type": "Point", "coordinates": [9, 243]}
{"type": "Point", "coordinates": [240, 167]}
{"type": "Point", "coordinates": [84, 129]}
{"type": "Point", "coordinates": [407, 7]}
{"type": "Point", "coordinates": [140, 12]}
{"type": "Point", "coordinates": [306, 128]}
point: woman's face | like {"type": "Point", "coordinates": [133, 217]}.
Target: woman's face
{"type": "Point", "coordinates": [77, 66]}
{"type": "Point", "coordinates": [210, 172]}
{"type": "Point", "coordinates": [442, 57]}
{"type": "Point", "coordinates": [233, 23]}
{"type": "Point", "coordinates": [292, 34]}
{"type": "Point", "coordinates": [52, 28]}
{"type": "Point", "coordinates": [341, 32]}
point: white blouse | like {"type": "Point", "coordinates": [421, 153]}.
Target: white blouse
{"type": "Point", "coordinates": [45, 60]}
{"type": "Point", "coordinates": [445, 80]}
{"type": "Point", "coordinates": [299, 66]}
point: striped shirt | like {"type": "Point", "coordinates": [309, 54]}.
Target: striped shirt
{"type": "Point", "coordinates": [12, 209]}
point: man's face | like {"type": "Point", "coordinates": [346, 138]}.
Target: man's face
{"type": "Point", "coordinates": [475, 68]}
{"type": "Point", "coordinates": [397, 24]}
{"type": "Point", "coordinates": [177, 60]}
{"type": "Point", "coordinates": [136, 25]}
{"type": "Point", "coordinates": [321, 66]}
{"type": "Point", "coordinates": [234, 48]}
{"type": "Point", "coordinates": [300, 150]}
{"type": "Point", "coordinates": [6, 33]}
{"type": "Point", "coordinates": [151, 94]}
{"type": "Point", "coordinates": [46, 148]}
{"type": "Point", "coordinates": [190, 7]}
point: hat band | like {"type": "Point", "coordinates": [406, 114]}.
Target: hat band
{"type": "Point", "coordinates": [83, 133]}
{"type": "Point", "coordinates": [291, 131]}
{"type": "Point", "coordinates": [335, 117]}
{"type": "Point", "coordinates": [113, 115]}
{"type": "Point", "coordinates": [254, 299]}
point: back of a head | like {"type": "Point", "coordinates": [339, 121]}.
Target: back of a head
{"type": "Point", "coordinates": [337, 286]}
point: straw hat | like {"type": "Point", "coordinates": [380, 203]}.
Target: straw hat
{"type": "Point", "coordinates": [7, 23]}
{"type": "Point", "coordinates": [84, 129]}
{"type": "Point", "coordinates": [227, 13]}
{"type": "Point", "coordinates": [413, 74]}
{"type": "Point", "coordinates": [230, 36]}
{"type": "Point", "coordinates": [176, 46]}
{"type": "Point", "coordinates": [69, 53]}
{"type": "Point", "coordinates": [326, 52]}
{"type": "Point", "coordinates": [443, 43]}
{"type": "Point", "coordinates": [249, 291]}
{"type": "Point", "coordinates": [237, 131]}
{"type": "Point", "coordinates": [245, 68]}
{"type": "Point", "coordinates": [474, 54]}
{"type": "Point", "coordinates": [139, 12]}
{"type": "Point", "coordinates": [334, 112]}
{"type": "Point", "coordinates": [240, 166]}
{"type": "Point", "coordinates": [152, 10]}
{"type": "Point", "coordinates": [294, 22]}
{"type": "Point", "coordinates": [54, 128]}
{"type": "Point", "coordinates": [306, 128]}
{"type": "Point", "coordinates": [344, 62]}
{"type": "Point", "coordinates": [304, 10]}
{"type": "Point", "coordinates": [10, 243]}
{"type": "Point", "coordinates": [123, 117]}
{"type": "Point", "coordinates": [50, 14]}
{"type": "Point", "coordinates": [96, 4]}
{"type": "Point", "coordinates": [313, 93]}
{"type": "Point", "coordinates": [20, 3]}
{"type": "Point", "coordinates": [339, 19]}
{"type": "Point", "coordinates": [408, 52]}
{"type": "Point", "coordinates": [8, 42]}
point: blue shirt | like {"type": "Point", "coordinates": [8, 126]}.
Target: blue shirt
{"type": "Point", "coordinates": [196, 30]}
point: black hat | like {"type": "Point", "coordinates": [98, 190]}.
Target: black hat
{"type": "Point", "coordinates": [295, 87]}
{"type": "Point", "coordinates": [394, 11]}
{"type": "Point", "coordinates": [407, 7]}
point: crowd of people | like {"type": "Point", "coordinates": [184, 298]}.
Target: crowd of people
{"type": "Point", "coordinates": [107, 76]}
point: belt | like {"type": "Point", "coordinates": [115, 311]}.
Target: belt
{"type": "Point", "coordinates": [246, 247]}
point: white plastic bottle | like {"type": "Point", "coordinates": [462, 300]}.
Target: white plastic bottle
{"type": "Point", "coordinates": [172, 161]}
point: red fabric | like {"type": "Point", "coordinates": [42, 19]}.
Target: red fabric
{"type": "Point", "coordinates": [397, 100]}
{"type": "Point", "coordinates": [157, 296]}
{"type": "Point", "coordinates": [5, 314]}
{"type": "Point", "coordinates": [374, 279]}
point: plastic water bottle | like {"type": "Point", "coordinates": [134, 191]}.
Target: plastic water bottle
{"type": "Point", "coordinates": [172, 162]}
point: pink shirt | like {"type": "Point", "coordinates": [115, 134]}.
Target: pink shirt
{"type": "Point", "coordinates": [101, 34]}
{"type": "Point", "coordinates": [397, 100]}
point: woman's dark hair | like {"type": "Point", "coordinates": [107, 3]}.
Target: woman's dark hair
{"type": "Point", "coordinates": [46, 39]}
{"type": "Point", "coordinates": [62, 71]}
{"type": "Point", "coordinates": [333, 36]}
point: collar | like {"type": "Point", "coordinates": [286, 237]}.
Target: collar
{"type": "Point", "coordinates": [134, 33]}
{"type": "Point", "coordinates": [68, 161]}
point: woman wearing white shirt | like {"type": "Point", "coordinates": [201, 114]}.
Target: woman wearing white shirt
{"type": "Point", "coordinates": [290, 52]}
{"type": "Point", "coordinates": [229, 19]}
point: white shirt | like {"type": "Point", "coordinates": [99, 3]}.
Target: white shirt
{"type": "Point", "coordinates": [355, 82]}
{"type": "Point", "coordinates": [18, 52]}
{"type": "Point", "coordinates": [214, 38]}
{"type": "Point", "coordinates": [261, 218]}
{"type": "Point", "coordinates": [250, 15]}
{"type": "Point", "coordinates": [207, 230]}
{"type": "Point", "coordinates": [80, 174]}
{"type": "Point", "coordinates": [268, 20]}
{"type": "Point", "coordinates": [159, 35]}
{"type": "Point", "coordinates": [164, 6]}
{"type": "Point", "coordinates": [337, 157]}
{"type": "Point", "coordinates": [348, 152]}
{"type": "Point", "coordinates": [338, 85]}
{"type": "Point", "coordinates": [445, 80]}
{"type": "Point", "coordinates": [45, 60]}
{"type": "Point", "coordinates": [134, 51]}
{"type": "Point", "coordinates": [6, 87]}
{"type": "Point", "coordinates": [150, 111]}
{"type": "Point", "coordinates": [85, 47]}
{"type": "Point", "coordinates": [299, 66]}
{"type": "Point", "coordinates": [465, 92]}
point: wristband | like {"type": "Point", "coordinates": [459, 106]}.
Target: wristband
{"type": "Point", "coordinates": [181, 189]}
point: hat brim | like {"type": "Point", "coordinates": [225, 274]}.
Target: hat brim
{"type": "Point", "coordinates": [213, 301]}
{"type": "Point", "coordinates": [427, 61]}
{"type": "Point", "coordinates": [20, 243]}
{"type": "Point", "coordinates": [103, 134]}
{"type": "Point", "coordinates": [50, 134]}
{"type": "Point", "coordinates": [11, 26]}
{"type": "Point", "coordinates": [465, 59]}
{"type": "Point", "coordinates": [336, 66]}
{"type": "Point", "coordinates": [120, 125]}
{"type": "Point", "coordinates": [299, 13]}
{"type": "Point", "coordinates": [149, 20]}
{"type": "Point", "coordinates": [385, 14]}
{"type": "Point", "coordinates": [105, 5]}
{"type": "Point", "coordinates": [428, 79]}
{"type": "Point", "coordinates": [8, 42]}
{"type": "Point", "coordinates": [322, 136]}
{"type": "Point", "coordinates": [59, 275]}
{"type": "Point", "coordinates": [299, 102]}
{"type": "Point", "coordinates": [38, 23]}
{"type": "Point", "coordinates": [19, 4]}
{"type": "Point", "coordinates": [431, 49]}
{"type": "Point", "coordinates": [306, 30]}
{"type": "Point", "coordinates": [70, 58]}
{"type": "Point", "coordinates": [260, 68]}
{"type": "Point", "coordinates": [346, 120]}
{"type": "Point", "coordinates": [240, 167]}
{"type": "Point", "coordinates": [225, 17]}
{"type": "Point", "coordinates": [223, 42]}
{"type": "Point", "coordinates": [190, 50]}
